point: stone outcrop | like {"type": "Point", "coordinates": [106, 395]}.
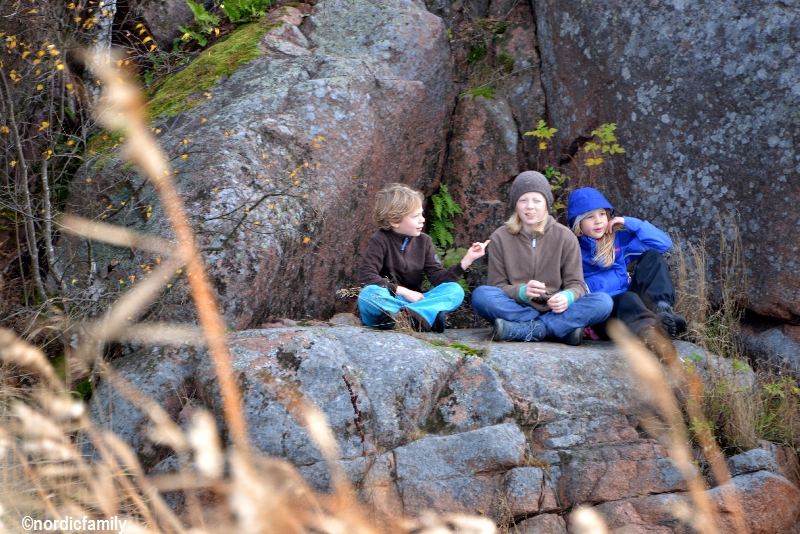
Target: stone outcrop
{"type": "Point", "coordinates": [705, 98]}
{"type": "Point", "coordinates": [284, 157]}
{"type": "Point", "coordinates": [521, 433]}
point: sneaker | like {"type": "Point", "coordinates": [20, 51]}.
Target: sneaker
{"type": "Point", "coordinates": [415, 320]}
{"type": "Point", "coordinates": [574, 338]}
{"type": "Point", "coordinates": [440, 323]}
{"type": "Point", "coordinates": [385, 322]}
{"type": "Point", "coordinates": [525, 331]}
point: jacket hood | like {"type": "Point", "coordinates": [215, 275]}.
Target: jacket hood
{"type": "Point", "coordinates": [583, 200]}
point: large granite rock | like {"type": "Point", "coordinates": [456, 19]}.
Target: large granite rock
{"type": "Point", "coordinates": [521, 433]}
{"type": "Point", "coordinates": [777, 346]}
{"type": "Point", "coordinates": [705, 95]}
{"type": "Point", "coordinates": [284, 157]}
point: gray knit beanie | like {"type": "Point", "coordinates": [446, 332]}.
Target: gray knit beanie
{"type": "Point", "coordinates": [531, 181]}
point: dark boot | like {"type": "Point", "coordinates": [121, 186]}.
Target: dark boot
{"type": "Point", "coordinates": [673, 323]}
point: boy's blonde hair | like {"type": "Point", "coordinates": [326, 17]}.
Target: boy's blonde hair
{"type": "Point", "coordinates": [604, 254]}
{"type": "Point", "coordinates": [393, 203]}
{"type": "Point", "coordinates": [514, 224]}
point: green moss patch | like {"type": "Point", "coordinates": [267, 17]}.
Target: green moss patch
{"type": "Point", "coordinates": [221, 59]}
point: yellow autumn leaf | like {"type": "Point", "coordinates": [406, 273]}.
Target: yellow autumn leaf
{"type": "Point", "coordinates": [306, 239]}
{"type": "Point", "coordinates": [542, 146]}
{"type": "Point", "coordinates": [184, 156]}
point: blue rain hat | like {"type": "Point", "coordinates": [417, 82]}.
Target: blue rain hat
{"type": "Point", "coordinates": [584, 200]}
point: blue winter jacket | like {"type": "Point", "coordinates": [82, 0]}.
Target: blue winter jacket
{"type": "Point", "coordinates": [629, 243]}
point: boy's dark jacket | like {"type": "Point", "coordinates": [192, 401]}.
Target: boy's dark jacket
{"type": "Point", "coordinates": [388, 264]}
{"type": "Point", "coordinates": [629, 243]}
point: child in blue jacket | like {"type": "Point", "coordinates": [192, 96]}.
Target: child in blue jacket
{"type": "Point", "coordinates": [608, 244]}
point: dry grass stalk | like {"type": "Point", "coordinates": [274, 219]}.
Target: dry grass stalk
{"type": "Point", "coordinates": [14, 351]}
{"type": "Point", "coordinates": [655, 386]}
{"type": "Point", "coordinates": [693, 386]}
{"type": "Point", "coordinates": [122, 109]}
{"type": "Point", "coordinates": [115, 235]}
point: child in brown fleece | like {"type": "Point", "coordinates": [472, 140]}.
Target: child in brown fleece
{"type": "Point", "coordinates": [536, 287]}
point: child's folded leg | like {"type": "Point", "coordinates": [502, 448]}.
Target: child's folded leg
{"type": "Point", "coordinates": [444, 297]}
{"type": "Point", "coordinates": [653, 283]}
{"type": "Point", "coordinates": [588, 310]}
{"type": "Point", "coordinates": [492, 303]}
{"type": "Point", "coordinates": [629, 308]}
{"type": "Point", "coordinates": [374, 302]}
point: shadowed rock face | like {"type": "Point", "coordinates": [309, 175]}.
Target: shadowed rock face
{"type": "Point", "coordinates": [524, 432]}
{"type": "Point", "coordinates": [706, 100]}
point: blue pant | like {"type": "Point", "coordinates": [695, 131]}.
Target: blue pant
{"type": "Point", "coordinates": [492, 303]}
{"type": "Point", "coordinates": [374, 300]}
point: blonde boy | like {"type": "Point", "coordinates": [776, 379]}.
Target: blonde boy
{"type": "Point", "coordinates": [399, 254]}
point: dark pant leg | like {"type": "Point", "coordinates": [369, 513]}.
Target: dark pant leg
{"type": "Point", "coordinates": [629, 309]}
{"type": "Point", "coordinates": [652, 281]}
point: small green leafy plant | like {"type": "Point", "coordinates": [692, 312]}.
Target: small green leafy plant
{"type": "Point", "coordinates": [506, 62]}
{"type": "Point", "coordinates": [439, 226]}
{"type": "Point", "coordinates": [444, 208]}
{"type": "Point", "coordinates": [543, 133]}
{"type": "Point", "coordinates": [245, 10]}
{"type": "Point", "coordinates": [556, 178]}
{"type": "Point", "coordinates": [205, 23]}
{"type": "Point", "coordinates": [485, 92]}
{"type": "Point", "coordinates": [607, 144]}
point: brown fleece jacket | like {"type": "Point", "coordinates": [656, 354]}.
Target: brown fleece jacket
{"type": "Point", "coordinates": [555, 261]}
{"type": "Point", "coordinates": [386, 265]}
